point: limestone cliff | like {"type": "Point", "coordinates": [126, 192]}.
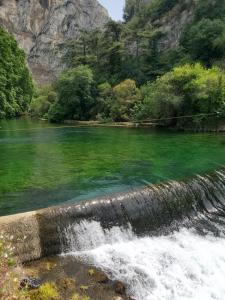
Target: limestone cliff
{"type": "Point", "coordinates": [42, 28]}
{"type": "Point", "coordinates": [170, 17]}
{"type": "Point", "coordinates": [173, 22]}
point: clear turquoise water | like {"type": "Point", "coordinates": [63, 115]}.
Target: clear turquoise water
{"type": "Point", "coordinates": [41, 165]}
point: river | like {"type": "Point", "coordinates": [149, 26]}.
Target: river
{"type": "Point", "coordinates": [43, 164]}
{"type": "Point", "coordinates": [166, 241]}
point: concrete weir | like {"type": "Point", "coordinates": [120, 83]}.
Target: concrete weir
{"type": "Point", "coordinates": [157, 209]}
{"type": "Point", "coordinates": [27, 233]}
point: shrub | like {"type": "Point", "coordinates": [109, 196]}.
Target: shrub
{"type": "Point", "coordinates": [187, 90]}
{"type": "Point", "coordinates": [126, 94]}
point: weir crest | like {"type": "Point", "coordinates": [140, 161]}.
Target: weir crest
{"type": "Point", "coordinates": [156, 210]}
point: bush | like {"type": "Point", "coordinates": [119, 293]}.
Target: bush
{"type": "Point", "coordinates": [187, 90]}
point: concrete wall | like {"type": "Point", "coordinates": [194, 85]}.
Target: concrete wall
{"type": "Point", "coordinates": [33, 234]}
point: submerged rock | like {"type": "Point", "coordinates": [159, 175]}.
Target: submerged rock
{"type": "Point", "coordinates": [100, 277]}
{"type": "Point", "coordinates": [120, 288]}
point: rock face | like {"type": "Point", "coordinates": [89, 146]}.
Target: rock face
{"type": "Point", "coordinates": [173, 23]}
{"type": "Point", "coordinates": [170, 20]}
{"type": "Point", "coordinates": [42, 28]}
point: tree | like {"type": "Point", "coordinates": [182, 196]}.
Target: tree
{"type": "Point", "coordinates": [42, 102]}
{"type": "Point", "coordinates": [203, 41]}
{"type": "Point", "coordinates": [85, 50]}
{"type": "Point", "coordinates": [132, 8]}
{"type": "Point", "coordinates": [16, 87]}
{"type": "Point", "coordinates": [105, 101]}
{"type": "Point", "coordinates": [75, 89]}
{"type": "Point", "coordinates": [187, 90]}
{"type": "Point", "coordinates": [125, 96]}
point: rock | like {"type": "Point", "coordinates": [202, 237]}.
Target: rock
{"type": "Point", "coordinates": [171, 23]}
{"type": "Point", "coordinates": [66, 283]}
{"type": "Point", "coordinates": [119, 288]}
{"type": "Point", "coordinates": [30, 283]}
{"type": "Point", "coordinates": [42, 28]}
{"type": "Point", "coordinates": [101, 277]}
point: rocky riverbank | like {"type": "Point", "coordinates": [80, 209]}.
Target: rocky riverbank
{"type": "Point", "coordinates": [74, 277]}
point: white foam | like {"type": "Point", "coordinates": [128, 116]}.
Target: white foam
{"type": "Point", "coordinates": [180, 266]}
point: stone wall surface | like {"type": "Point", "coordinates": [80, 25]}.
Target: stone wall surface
{"type": "Point", "coordinates": [42, 28]}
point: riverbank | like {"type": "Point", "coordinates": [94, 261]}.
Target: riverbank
{"type": "Point", "coordinates": [74, 277]}
{"type": "Point", "coordinates": [220, 127]}
{"type": "Point", "coordinates": [54, 278]}
{"type": "Point", "coordinates": [110, 124]}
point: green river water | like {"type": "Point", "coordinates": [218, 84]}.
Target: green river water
{"type": "Point", "coordinates": [43, 164]}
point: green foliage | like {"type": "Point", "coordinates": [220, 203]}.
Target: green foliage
{"type": "Point", "coordinates": [204, 41]}
{"type": "Point", "coordinates": [41, 104]}
{"type": "Point", "coordinates": [132, 8]}
{"type": "Point", "coordinates": [209, 9]}
{"type": "Point", "coordinates": [84, 50]}
{"type": "Point", "coordinates": [75, 90]}
{"type": "Point", "coordinates": [187, 90]}
{"type": "Point", "coordinates": [156, 8]}
{"type": "Point", "coordinates": [16, 87]}
{"type": "Point", "coordinates": [152, 10]}
{"type": "Point", "coordinates": [105, 101]}
{"type": "Point", "coordinates": [96, 85]}
{"type": "Point", "coordinates": [108, 52]}
{"type": "Point", "coordinates": [203, 38]}
{"type": "Point", "coordinates": [126, 95]}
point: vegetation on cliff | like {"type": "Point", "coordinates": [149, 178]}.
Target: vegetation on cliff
{"type": "Point", "coordinates": [16, 87]}
{"type": "Point", "coordinates": [122, 74]}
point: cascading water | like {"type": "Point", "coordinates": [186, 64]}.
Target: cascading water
{"type": "Point", "coordinates": [163, 242]}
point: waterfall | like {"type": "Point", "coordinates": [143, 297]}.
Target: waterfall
{"type": "Point", "coordinates": [154, 210]}
{"type": "Point", "coordinates": [163, 242]}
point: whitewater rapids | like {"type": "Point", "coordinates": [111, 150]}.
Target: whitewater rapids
{"type": "Point", "coordinates": [181, 265]}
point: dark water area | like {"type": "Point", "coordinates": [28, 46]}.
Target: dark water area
{"type": "Point", "coordinates": [43, 164]}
